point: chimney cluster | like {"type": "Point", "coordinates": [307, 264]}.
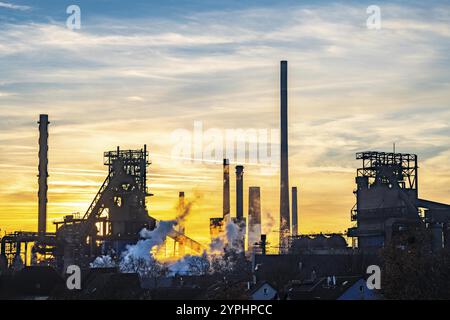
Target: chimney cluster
{"type": "Point", "coordinates": [254, 208]}
{"type": "Point", "coordinates": [254, 199]}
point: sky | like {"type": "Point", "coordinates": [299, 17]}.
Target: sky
{"type": "Point", "coordinates": [138, 71]}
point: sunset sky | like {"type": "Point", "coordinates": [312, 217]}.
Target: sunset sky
{"type": "Point", "coordinates": [137, 72]}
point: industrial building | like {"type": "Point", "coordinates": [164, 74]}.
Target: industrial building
{"type": "Point", "coordinates": [387, 204]}
{"type": "Point", "coordinates": [387, 201]}
{"type": "Point", "coordinates": [113, 220]}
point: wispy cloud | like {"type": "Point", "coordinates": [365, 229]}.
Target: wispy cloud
{"type": "Point", "coordinates": [6, 94]}
{"type": "Point", "coordinates": [135, 99]}
{"type": "Point", "coordinates": [14, 6]}
{"type": "Point", "coordinates": [128, 82]}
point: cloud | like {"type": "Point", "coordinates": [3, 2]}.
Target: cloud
{"type": "Point", "coordinates": [128, 82]}
{"type": "Point", "coordinates": [5, 94]}
{"type": "Point", "coordinates": [135, 99]}
{"type": "Point", "coordinates": [13, 6]}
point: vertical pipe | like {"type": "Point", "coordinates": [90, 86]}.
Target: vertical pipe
{"type": "Point", "coordinates": [263, 244]}
{"type": "Point", "coordinates": [226, 189]}
{"type": "Point", "coordinates": [254, 217]}
{"type": "Point", "coordinates": [284, 169]}
{"type": "Point", "coordinates": [294, 212]}
{"type": "Point", "coordinates": [181, 208]}
{"type": "Point", "coordinates": [240, 207]}
{"type": "Point", "coordinates": [239, 193]}
{"type": "Point", "coordinates": [181, 224]}
{"type": "Point", "coordinates": [26, 254]}
{"type": "Point", "coordinates": [416, 169]}
{"type": "Point", "coordinates": [43, 173]}
{"type": "Point", "coordinates": [144, 175]}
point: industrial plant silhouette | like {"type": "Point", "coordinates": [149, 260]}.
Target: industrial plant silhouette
{"type": "Point", "coordinates": [388, 215]}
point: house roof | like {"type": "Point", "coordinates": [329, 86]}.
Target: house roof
{"type": "Point", "coordinates": [258, 286]}
{"type": "Point", "coordinates": [176, 293]}
{"type": "Point", "coordinates": [31, 280]}
{"type": "Point", "coordinates": [320, 290]}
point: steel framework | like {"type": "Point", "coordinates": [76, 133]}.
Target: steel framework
{"type": "Point", "coordinates": [401, 165]}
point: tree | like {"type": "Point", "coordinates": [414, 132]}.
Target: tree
{"type": "Point", "coordinates": [412, 271]}
{"type": "Point", "coordinates": [228, 290]}
{"type": "Point", "coordinates": [231, 262]}
{"type": "Point", "coordinates": [199, 265]}
{"type": "Point", "coordinates": [146, 268]}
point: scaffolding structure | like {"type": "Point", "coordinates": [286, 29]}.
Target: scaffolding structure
{"type": "Point", "coordinates": [386, 196]}
{"type": "Point", "coordinates": [384, 165]}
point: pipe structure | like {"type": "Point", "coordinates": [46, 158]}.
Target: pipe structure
{"type": "Point", "coordinates": [43, 173]}
{"type": "Point", "coordinates": [181, 208]}
{"type": "Point", "coordinates": [240, 193]}
{"type": "Point", "coordinates": [294, 212]}
{"type": "Point", "coordinates": [254, 217]}
{"type": "Point", "coordinates": [226, 189]}
{"type": "Point", "coordinates": [263, 244]}
{"type": "Point", "coordinates": [181, 224]}
{"type": "Point", "coordinates": [284, 168]}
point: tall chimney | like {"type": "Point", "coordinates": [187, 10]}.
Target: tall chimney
{"type": "Point", "coordinates": [294, 212]}
{"type": "Point", "coordinates": [226, 189]}
{"type": "Point", "coordinates": [240, 193]}
{"type": "Point", "coordinates": [284, 169]}
{"type": "Point", "coordinates": [254, 217]}
{"type": "Point", "coordinates": [263, 244]}
{"type": "Point", "coordinates": [181, 209]}
{"type": "Point", "coordinates": [43, 173]}
{"type": "Point", "coordinates": [181, 225]}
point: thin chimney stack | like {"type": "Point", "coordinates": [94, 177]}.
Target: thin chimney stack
{"type": "Point", "coordinates": [284, 169]}
{"type": "Point", "coordinates": [240, 193]}
{"type": "Point", "coordinates": [181, 207]}
{"type": "Point", "coordinates": [226, 189]}
{"type": "Point", "coordinates": [181, 224]}
{"type": "Point", "coordinates": [294, 212]}
{"type": "Point", "coordinates": [43, 173]}
{"type": "Point", "coordinates": [254, 217]}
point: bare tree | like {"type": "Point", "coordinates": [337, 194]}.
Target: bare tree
{"type": "Point", "coordinates": [199, 265]}
{"type": "Point", "coordinates": [412, 271]}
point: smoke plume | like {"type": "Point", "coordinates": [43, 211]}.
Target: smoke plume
{"type": "Point", "coordinates": [219, 257]}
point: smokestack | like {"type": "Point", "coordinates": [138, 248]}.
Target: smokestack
{"type": "Point", "coordinates": [181, 225]}
{"type": "Point", "coordinates": [263, 244]}
{"type": "Point", "coordinates": [43, 173]}
{"type": "Point", "coordinates": [284, 169]}
{"type": "Point", "coordinates": [240, 193]}
{"type": "Point", "coordinates": [294, 212]}
{"type": "Point", "coordinates": [181, 208]}
{"type": "Point", "coordinates": [181, 199]}
{"type": "Point", "coordinates": [226, 189]}
{"type": "Point", "coordinates": [254, 217]}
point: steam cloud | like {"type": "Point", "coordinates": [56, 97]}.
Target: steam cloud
{"type": "Point", "coordinates": [139, 258]}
